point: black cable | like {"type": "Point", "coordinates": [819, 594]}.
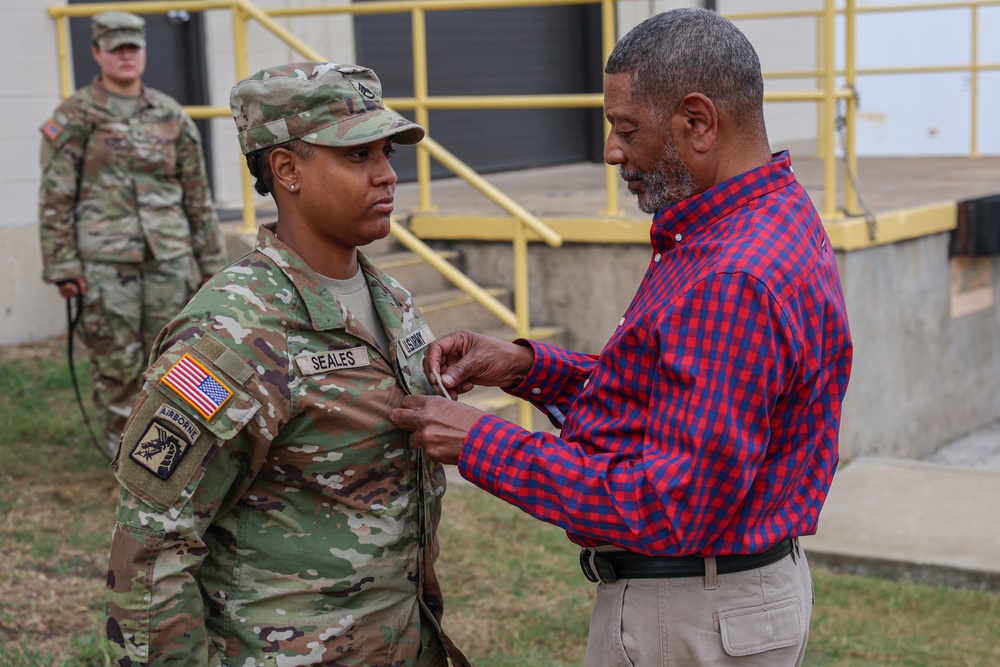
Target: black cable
{"type": "Point", "coordinates": [72, 321]}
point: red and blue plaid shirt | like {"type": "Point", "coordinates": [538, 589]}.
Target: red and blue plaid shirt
{"type": "Point", "coordinates": [708, 424]}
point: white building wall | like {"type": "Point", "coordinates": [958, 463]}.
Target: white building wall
{"type": "Point", "coordinates": [29, 91]}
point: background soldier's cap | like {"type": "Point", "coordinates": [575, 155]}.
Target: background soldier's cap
{"type": "Point", "coordinates": [319, 103]}
{"type": "Point", "coordinates": [112, 29]}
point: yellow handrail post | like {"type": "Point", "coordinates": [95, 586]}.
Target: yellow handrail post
{"type": "Point", "coordinates": [241, 55]}
{"type": "Point", "coordinates": [830, 113]}
{"type": "Point", "coordinates": [609, 37]}
{"type": "Point", "coordinates": [820, 24]}
{"type": "Point", "coordinates": [421, 114]}
{"type": "Point", "coordinates": [62, 44]}
{"type": "Point", "coordinates": [974, 83]}
{"type": "Point", "coordinates": [851, 104]}
{"type": "Point", "coordinates": [522, 303]}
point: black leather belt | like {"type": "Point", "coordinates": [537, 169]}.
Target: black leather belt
{"type": "Point", "coordinates": [608, 566]}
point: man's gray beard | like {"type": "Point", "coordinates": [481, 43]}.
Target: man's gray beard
{"type": "Point", "coordinates": [666, 185]}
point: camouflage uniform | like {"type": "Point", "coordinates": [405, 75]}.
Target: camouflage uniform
{"type": "Point", "coordinates": [125, 204]}
{"type": "Point", "coordinates": [271, 513]}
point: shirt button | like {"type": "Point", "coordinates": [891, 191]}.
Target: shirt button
{"type": "Point", "coordinates": [678, 237]}
{"type": "Point", "coordinates": [621, 321]}
{"type": "Point", "coordinates": [536, 391]}
{"type": "Point", "coordinates": [656, 258]}
{"type": "Point", "coordinates": [586, 382]}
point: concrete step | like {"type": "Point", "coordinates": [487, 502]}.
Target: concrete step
{"type": "Point", "coordinates": [924, 522]}
{"type": "Point", "coordinates": [413, 273]}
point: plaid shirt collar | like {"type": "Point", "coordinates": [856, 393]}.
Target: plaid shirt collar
{"type": "Point", "coordinates": [690, 216]}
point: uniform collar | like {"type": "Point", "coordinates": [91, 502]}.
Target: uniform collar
{"type": "Point", "coordinates": [324, 310]}
{"type": "Point", "coordinates": [100, 95]}
{"type": "Point", "coordinates": [678, 222]}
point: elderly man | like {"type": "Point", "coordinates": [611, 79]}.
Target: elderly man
{"type": "Point", "coordinates": [701, 442]}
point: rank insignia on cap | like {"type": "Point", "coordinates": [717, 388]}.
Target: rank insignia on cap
{"type": "Point", "coordinates": [52, 129]}
{"type": "Point", "coordinates": [161, 447]}
{"type": "Point", "coordinates": [196, 385]}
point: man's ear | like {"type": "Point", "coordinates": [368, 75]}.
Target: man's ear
{"type": "Point", "coordinates": [699, 121]}
{"type": "Point", "coordinates": [94, 51]}
{"type": "Point", "coordinates": [285, 166]}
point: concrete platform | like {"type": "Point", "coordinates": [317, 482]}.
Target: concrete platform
{"type": "Point", "coordinates": [925, 522]}
{"type": "Point", "coordinates": [577, 190]}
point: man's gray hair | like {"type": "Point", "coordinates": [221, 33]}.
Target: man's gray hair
{"type": "Point", "coordinates": [692, 51]}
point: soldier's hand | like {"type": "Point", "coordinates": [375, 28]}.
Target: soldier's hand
{"type": "Point", "coordinates": [466, 359]}
{"type": "Point", "coordinates": [439, 426]}
{"type": "Point", "coordinates": [70, 288]}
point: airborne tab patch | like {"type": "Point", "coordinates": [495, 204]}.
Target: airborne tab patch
{"type": "Point", "coordinates": [164, 443]}
{"type": "Point", "coordinates": [196, 385]}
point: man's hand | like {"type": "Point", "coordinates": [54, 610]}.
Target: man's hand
{"type": "Point", "coordinates": [439, 426]}
{"type": "Point", "coordinates": [466, 359]}
{"type": "Point", "coordinates": [70, 288]}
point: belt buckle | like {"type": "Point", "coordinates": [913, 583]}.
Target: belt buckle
{"type": "Point", "coordinates": [595, 568]}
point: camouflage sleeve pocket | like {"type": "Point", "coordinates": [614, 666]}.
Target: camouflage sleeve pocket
{"type": "Point", "coordinates": [129, 586]}
{"type": "Point", "coordinates": [190, 408]}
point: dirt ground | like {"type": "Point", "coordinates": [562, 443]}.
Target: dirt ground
{"type": "Point", "coordinates": [53, 540]}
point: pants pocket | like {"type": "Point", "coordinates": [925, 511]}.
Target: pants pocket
{"type": "Point", "coordinates": [752, 630]}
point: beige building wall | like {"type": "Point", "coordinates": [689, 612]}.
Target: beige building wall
{"type": "Point", "coordinates": [29, 91]}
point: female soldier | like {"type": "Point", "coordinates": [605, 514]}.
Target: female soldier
{"type": "Point", "coordinates": [271, 513]}
{"type": "Point", "coordinates": [125, 213]}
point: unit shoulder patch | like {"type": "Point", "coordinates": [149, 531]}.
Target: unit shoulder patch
{"type": "Point", "coordinates": [167, 438]}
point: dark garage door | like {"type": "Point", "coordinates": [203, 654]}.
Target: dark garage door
{"type": "Point", "coordinates": [175, 61]}
{"type": "Point", "coordinates": [516, 51]}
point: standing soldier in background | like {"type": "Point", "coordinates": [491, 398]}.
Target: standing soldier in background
{"type": "Point", "coordinates": [125, 213]}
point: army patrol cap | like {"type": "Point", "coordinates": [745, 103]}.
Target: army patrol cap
{"type": "Point", "coordinates": [113, 29]}
{"type": "Point", "coordinates": [320, 103]}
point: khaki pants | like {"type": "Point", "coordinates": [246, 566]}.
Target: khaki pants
{"type": "Point", "coordinates": [756, 617]}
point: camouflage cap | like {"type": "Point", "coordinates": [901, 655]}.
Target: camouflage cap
{"type": "Point", "coordinates": [319, 103]}
{"type": "Point", "coordinates": [113, 29]}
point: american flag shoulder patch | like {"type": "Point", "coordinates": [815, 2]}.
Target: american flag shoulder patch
{"type": "Point", "coordinates": [197, 386]}
{"type": "Point", "coordinates": [52, 129]}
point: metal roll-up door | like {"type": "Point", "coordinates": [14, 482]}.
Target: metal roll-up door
{"type": "Point", "coordinates": [516, 51]}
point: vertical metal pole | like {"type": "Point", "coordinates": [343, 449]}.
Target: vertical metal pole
{"type": "Point", "coordinates": [974, 84]}
{"type": "Point", "coordinates": [820, 25]}
{"type": "Point", "coordinates": [609, 37]}
{"type": "Point", "coordinates": [422, 116]}
{"type": "Point", "coordinates": [521, 303]}
{"type": "Point", "coordinates": [851, 104]}
{"type": "Point", "coordinates": [830, 111]}
{"type": "Point", "coordinates": [62, 44]}
{"type": "Point", "coordinates": [241, 56]}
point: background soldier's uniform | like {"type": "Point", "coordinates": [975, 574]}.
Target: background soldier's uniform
{"type": "Point", "coordinates": [125, 204]}
{"type": "Point", "coordinates": [277, 513]}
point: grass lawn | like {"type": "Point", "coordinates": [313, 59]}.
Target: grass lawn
{"type": "Point", "coordinates": [514, 594]}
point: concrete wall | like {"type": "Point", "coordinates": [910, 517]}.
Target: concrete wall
{"type": "Point", "coordinates": [927, 367]}
{"type": "Point", "coordinates": [29, 91]}
{"type": "Point", "coordinates": [927, 352]}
